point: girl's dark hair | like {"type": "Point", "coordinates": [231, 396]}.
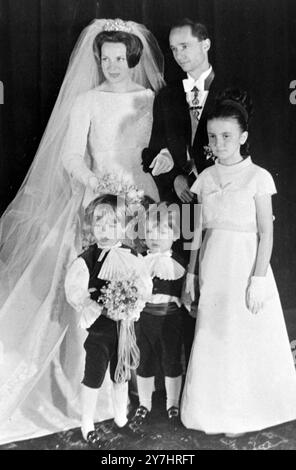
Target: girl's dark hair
{"type": "Point", "coordinates": [235, 104]}
{"type": "Point", "coordinates": [112, 204]}
{"type": "Point", "coordinates": [133, 44]}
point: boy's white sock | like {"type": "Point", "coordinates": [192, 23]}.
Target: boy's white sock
{"type": "Point", "coordinates": [120, 402]}
{"type": "Point", "coordinates": [173, 389]}
{"type": "Point", "coordinates": [145, 390]}
{"type": "Point", "coordinates": [87, 425]}
{"type": "Point", "coordinates": [89, 402]}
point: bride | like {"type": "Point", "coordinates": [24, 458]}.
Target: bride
{"type": "Point", "coordinates": [101, 122]}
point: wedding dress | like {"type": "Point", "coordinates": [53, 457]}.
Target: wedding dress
{"type": "Point", "coordinates": [41, 347]}
{"type": "Point", "coordinates": [116, 127]}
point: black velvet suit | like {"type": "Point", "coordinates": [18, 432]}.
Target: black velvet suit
{"type": "Point", "coordinates": [172, 129]}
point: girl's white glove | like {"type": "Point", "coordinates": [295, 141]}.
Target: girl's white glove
{"type": "Point", "coordinates": [191, 280]}
{"type": "Point", "coordinates": [89, 312]}
{"type": "Point", "coordinates": [256, 294]}
{"type": "Point", "coordinates": [93, 183]}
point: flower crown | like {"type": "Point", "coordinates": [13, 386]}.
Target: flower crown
{"type": "Point", "coordinates": [117, 25]}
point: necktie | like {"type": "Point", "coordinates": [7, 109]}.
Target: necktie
{"type": "Point", "coordinates": [195, 103]}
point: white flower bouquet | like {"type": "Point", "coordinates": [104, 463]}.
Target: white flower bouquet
{"type": "Point", "coordinates": [124, 299]}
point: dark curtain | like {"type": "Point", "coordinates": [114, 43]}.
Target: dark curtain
{"type": "Point", "coordinates": [253, 43]}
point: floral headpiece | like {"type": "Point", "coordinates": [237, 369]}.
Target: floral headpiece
{"type": "Point", "coordinates": [208, 153]}
{"type": "Point", "coordinates": [117, 25]}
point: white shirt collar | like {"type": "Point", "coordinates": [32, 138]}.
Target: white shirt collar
{"type": "Point", "coordinates": [190, 82]}
{"type": "Point", "coordinates": [161, 264]}
{"type": "Point", "coordinates": [159, 253]}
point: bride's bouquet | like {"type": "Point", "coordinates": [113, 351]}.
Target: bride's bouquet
{"type": "Point", "coordinates": [120, 185]}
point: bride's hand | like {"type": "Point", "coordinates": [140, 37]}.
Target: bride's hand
{"type": "Point", "coordinates": [93, 183]}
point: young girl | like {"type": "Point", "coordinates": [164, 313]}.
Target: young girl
{"type": "Point", "coordinates": [159, 329]}
{"type": "Point", "coordinates": [105, 260]}
{"type": "Point", "coordinates": [241, 375]}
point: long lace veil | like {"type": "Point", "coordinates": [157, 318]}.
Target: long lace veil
{"type": "Point", "coordinates": [36, 242]}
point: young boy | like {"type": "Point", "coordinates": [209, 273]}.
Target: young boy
{"type": "Point", "coordinates": [86, 277]}
{"type": "Point", "coordinates": [159, 329]}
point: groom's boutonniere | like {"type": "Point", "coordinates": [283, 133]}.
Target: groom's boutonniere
{"type": "Point", "coordinates": [208, 152]}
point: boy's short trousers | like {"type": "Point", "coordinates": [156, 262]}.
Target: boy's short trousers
{"type": "Point", "coordinates": [101, 349]}
{"type": "Point", "coordinates": [160, 338]}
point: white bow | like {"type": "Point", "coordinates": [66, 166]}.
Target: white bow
{"type": "Point", "coordinates": [119, 262]}
{"type": "Point", "coordinates": [163, 266]}
{"type": "Point", "coordinates": [189, 83]}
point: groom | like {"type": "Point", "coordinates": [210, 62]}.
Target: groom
{"type": "Point", "coordinates": [176, 150]}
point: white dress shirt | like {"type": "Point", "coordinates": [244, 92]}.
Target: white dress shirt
{"type": "Point", "coordinates": [190, 82]}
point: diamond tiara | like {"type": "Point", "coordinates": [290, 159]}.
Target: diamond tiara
{"type": "Point", "coordinates": [117, 25]}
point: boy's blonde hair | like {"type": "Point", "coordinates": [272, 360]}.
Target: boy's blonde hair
{"type": "Point", "coordinates": [112, 204]}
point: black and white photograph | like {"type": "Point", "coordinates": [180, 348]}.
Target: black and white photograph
{"type": "Point", "coordinates": [147, 227]}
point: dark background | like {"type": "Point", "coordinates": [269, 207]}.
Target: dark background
{"type": "Point", "coordinates": [253, 41]}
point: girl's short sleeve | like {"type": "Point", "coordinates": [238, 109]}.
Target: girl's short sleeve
{"type": "Point", "coordinates": [196, 188]}
{"type": "Point", "coordinates": [264, 183]}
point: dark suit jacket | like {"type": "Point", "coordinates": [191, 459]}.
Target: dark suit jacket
{"type": "Point", "coordinates": [172, 129]}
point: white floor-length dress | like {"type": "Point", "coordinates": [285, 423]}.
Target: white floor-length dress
{"type": "Point", "coordinates": [42, 356]}
{"type": "Point", "coordinates": [241, 375]}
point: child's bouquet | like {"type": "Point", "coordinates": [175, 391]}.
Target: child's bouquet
{"type": "Point", "coordinates": [124, 298]}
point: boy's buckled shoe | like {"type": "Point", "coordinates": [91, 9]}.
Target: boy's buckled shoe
{"type": "Point", "coordinates": [174, 416]}
{"type": "Point", "coordinates": [141, 415]}
{"type": "Point", "coordinates": [96, 440]}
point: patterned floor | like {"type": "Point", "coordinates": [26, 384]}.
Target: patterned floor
{"type": "Point", "coordinates": [160, 436]}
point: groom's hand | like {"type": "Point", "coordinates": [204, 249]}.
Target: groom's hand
{"type": "Point", "coordinates": [182, 189]}
{"type": "Point", "coordinates": [162, 163]}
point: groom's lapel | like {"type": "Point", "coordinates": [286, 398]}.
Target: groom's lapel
{"type": "Point", "coordinates": [210, 87]}
{"type": "Point", "coordinates": [179, 107]}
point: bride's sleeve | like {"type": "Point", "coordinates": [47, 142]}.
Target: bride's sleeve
{"type": "Point", "coordinates": [76, 283]}
{"type": "Point", "coordinates": [76, 141]}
